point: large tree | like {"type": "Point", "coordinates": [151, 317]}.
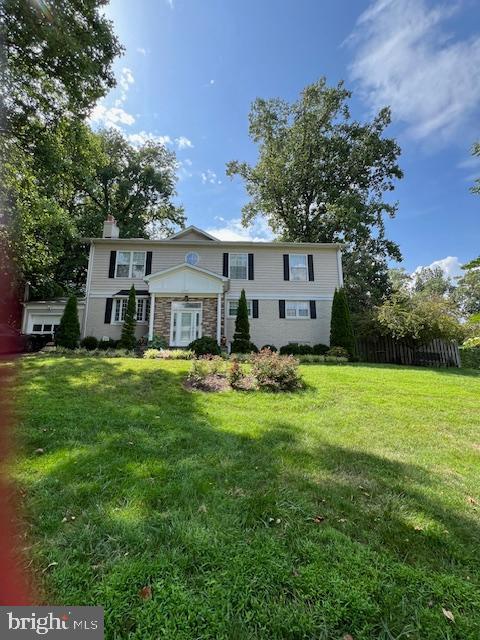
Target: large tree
{"type": "Point", "coordinates": [467, 293]}
{"type": "Point", "coordinates": [432, 281]}
{"type": "Point", "coordinates": [322, 177]}
{"type": "Point", "coordinates": [56, 62]}
{"type": "Point", "coordinates": [476, 152]}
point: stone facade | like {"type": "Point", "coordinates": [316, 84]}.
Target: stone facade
{"type": "Point", "coordinates": [163, 315]}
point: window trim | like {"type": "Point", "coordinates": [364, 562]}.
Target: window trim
{"type": "Point", "coordinates": [304, 255]}
{"type": "Point", "coordinates": [296, 316]}
{"type": "Point", "coordinates": [237, 253]}
{"type": "Point", "coordinates": [130, 265]}
{"type": "Point", "coordinates": [249, 306]}
{"type": "Point", "coordinates": [137, 298]}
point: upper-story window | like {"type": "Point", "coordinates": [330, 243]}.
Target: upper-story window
{"type": "Point", "coordinates": [298, 267]}
{"type": "Point", "coordinates": [130, 264]}
{"type": "Point", "coordinates": [239, 266]}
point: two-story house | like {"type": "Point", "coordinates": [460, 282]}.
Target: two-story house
{"type": "Point", "coordinates": [188, 286]}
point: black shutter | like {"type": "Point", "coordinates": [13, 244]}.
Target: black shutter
{"type": "Point", "coordinates": [225, 265]}
{"type": "Point", "coordinates": [281, 308]}
{"type": "Point", "coordinates": [313, 309]}
{"type": "Point", "coordinates": [286, 267]}
{"type": "Point", "coordinates": [254, 308]}
{"type": "Point", "coordinates": [148, 264]}
{"type": "Point", "coordinates": [111, 268]}
{"type": "Point", "coordinates": [108, 310]}
{"type": "Point", "coordinates": [310, 267]}
{"type": "Point", "coordinates": [250, 266]}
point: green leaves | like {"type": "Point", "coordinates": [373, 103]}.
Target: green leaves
{"type": "Point", "coordinates": [321, 177]}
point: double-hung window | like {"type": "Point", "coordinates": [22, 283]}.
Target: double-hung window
{"type": "Point", "coordinates": [233, 308]}
{"type": "Point", "coordinates": [120, 308]}
{"type": "Point", "coordinates": [239, 266]}
{"type": "Point", "coordinates": [297, 309]}
{"type": "Point", "coordinates": [298, 267]}
{"type": "Point", "coordinates": [130, 264]}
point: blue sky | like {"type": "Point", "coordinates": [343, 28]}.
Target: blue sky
{"type": "Point", "coordinates": [192, 68]}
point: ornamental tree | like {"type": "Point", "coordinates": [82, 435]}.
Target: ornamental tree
{"type": "Point", "coordinates": [241, 338]}
{"type": "Point", "coordinates": [341, 330]}
{"type": "Point", "coordinates": [68, 333]}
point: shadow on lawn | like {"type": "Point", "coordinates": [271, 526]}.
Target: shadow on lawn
{"type": "Point", "coordinates": [147, 471]}
{"type": "Point", "coordinates": [446, 371]}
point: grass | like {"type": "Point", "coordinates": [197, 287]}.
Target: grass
{"type": "Point", "coordinates": [349, 508]}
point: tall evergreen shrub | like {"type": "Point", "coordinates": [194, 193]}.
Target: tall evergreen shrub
{"type": "Point", "coordinates": [68, 332]}
{"type": "Point", "coordinates": [127, 339]}
{"type": "Point", "coordinates": [241, 338]}
{"type": "Point", "coordinates": [341, 330]}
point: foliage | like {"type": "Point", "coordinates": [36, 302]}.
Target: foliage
{"type": "Point", "coordinates": [472, 342]}
{"type": "Point", "coordinates": [205, 366]}
{"type": "Point", "coordinates": [470, 357]}
{"type": "Point", "coordinates": [321, 177]}
{"type": "Point", "coordinates": [275, 372]}
{"type": "Point", "coordinates": [102, 353]}
{"type": "Point", "coordinates": [399, 280]}
{"type": "Point", "coordinates": [341, 330]}
{"type": "Point", "coordinates": [90, 343]}
{"type": "Point", "coordinates": [158, 342]}
{"type": "Point", "coordinates": [419, 319]}
{"type": "Point", "coordinates": [432, 281]}
{"type": "Point", "coordinates": [68, 333]}
{"type": "Point", "coordinates": [128, 339]}
{"type": "Point", "coordinates": [108, 344]}
{"type": "Point", "coordinates": [241, 338]}
{"type": "Point", "coordinates": [295, 349]}
{"type": "Point", "coordinates": [320, 349]}
{"type": "Point", "coordinates": [235, 373]}
{"type": "Point", "coordinates": [168, 354]}
{"type": "Point", "coordinates": [467, 292]}
{"type": "Point", "coordinates": [205, 346]}
{"type": "Point", "coordinates": [338, 352]}
{"type": "Point", "coordinates": [476, 186]}
{"type": "Point", "coordinates": [271, 347]}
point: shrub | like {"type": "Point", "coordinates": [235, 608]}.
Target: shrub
{"type": "Point", "coordinates": [470, 357]}
{"type": "Point", "coordinates": [168, 354]}
{"type": "Point", "coordinates": [243, 346]}
{"type": "Point", "coordinates": [68, 333]}
{"type": "Point", "coordinates": [158, 342]}
{"type": "Point", "coordinates": [275, 372]}
{"type": "Point", "coordinates": [205, 346]}
{"type": "Point", "coordinates": [472, 343]}
{"type": "Point", "coordinates": [311, 359]}
{"type": "Point", "coordinates": [337, 352]}
{"type": "Point", "coordinates": [103, 345]}
{"type": "Point", "coordinates": [241, 338]}
{"type": "Point", "coordinates": [320, 349]}
{"type": "Point", "coordinates": [270, 347]}
{"type": "Point", "coordinates": [128, 340]}
{"type": "Point", "coordinates": [235, 373]}
{"type": "Point", "coordinates": [90, 343]}
{"type": "Point", "coordinates": [295, 349]}
{"type": "Point", "coordinates": [341, 330]}
{"type": "Point", "coordinates": [206, 366]}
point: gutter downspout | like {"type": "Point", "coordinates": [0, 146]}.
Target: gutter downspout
{"type": "Point", "coordinates": [87, 288]}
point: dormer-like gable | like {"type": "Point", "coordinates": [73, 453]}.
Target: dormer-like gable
{"type": "Point", "coordinates": [194, 234]}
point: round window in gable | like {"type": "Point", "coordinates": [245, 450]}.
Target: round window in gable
{"type": "Point", "coordinates": [192, 258]}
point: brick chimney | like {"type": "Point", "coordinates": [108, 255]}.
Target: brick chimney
{"type": "Point", "coordinates": [110, 228]}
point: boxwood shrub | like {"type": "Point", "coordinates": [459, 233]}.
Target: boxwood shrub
{"type": "Point", "coordinates": [470, 357]}
{"type": "Point", "coordinates": [205, 346]}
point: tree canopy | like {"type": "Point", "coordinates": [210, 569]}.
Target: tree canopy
{"type": "Point", "coordinates": [321, 177]}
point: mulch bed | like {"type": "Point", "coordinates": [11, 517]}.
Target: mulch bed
{"type": "Point", "coordinates": [219, 383]}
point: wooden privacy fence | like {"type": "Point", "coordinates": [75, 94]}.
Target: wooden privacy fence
{"type": "Point", "coordinates": [438, 353]}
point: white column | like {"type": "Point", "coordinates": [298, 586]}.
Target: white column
{"type": "Point", "coordinates": [152, 311]}
{"type": "Point", "coordinates": [219, 317]}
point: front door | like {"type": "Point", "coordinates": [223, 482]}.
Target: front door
{"type": "Point", "coordinates": [186, 323]}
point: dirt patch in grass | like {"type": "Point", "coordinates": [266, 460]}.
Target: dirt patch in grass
{"type": "Point", "coordinates": [210, 383]}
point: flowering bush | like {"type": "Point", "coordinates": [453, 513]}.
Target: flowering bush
{"type": "Point", "coordinates": [275, 372]}
{"type": "Point", "coordinates": [206, 366]}
{"type": "Point", "coordinates": [337, 352]}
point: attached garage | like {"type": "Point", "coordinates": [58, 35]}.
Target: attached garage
{"type": "Point", "coordinates": [43, 317]}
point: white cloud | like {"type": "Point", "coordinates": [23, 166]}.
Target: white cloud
{"type": "Point", "coordinates": [110, 117]}
{"type": "Point", "coordinates": [183, 143]}
{"type": "Point", "coordinates": [140, 138]}
{"type": "Point", "coordinates": [212, 82]}
{"type": "Point", "coordinates": [404, 59]}
{"type": "Point", "coordinates": [126, 78]}
{"type": "Point", "coordinates": [141, 51]}
{"type": "Point", "coordinates": [232, 230]}
{"type": "Point", "coordinates": [170, 3]}
{"type": "Point", "coordinates": [209, 177]}
{"type": "Point", "coordinates": [451, 266]}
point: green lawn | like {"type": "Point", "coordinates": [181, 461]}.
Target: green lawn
{"type": "Point", "coordinates": [349, 508]}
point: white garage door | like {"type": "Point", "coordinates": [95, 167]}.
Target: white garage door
{"type": "Point", "coordinates": [43, 323]}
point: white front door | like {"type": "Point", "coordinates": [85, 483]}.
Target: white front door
{"type": "Point", "coordinates": [185, 323]}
